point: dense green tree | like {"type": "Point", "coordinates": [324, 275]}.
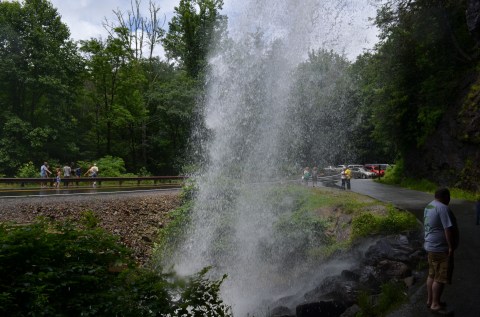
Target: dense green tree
{"type": "Point", "coordinates": [171, 104]}
{"type": "Point", "coordinates": [40, 72]}
{"type": "Point", "coordinates": [195, 24]}
{"type": "Point", "coordinates": [415, 69]}
{"type": "Point", "coordinates": [115, 96]}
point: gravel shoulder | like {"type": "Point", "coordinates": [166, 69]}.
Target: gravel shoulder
{"type": "Point", "coordinates": [135, 218]}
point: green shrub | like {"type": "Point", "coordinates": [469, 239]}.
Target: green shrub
{"type": "Point", "coordinates": [110, 166]}
{"type": "Point", "coordinates": [395, 221]}
{"type": "Point", "coordinates": [28, 170]}
{"type": "Point", "coordinates": [53, 269]}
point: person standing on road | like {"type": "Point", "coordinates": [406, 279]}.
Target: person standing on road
{"type": "Point", "coordinates": [306, 175]}
{"type": "Point", "coordinates": [93, 171]}
{"type": "Point", "coordinates": [343, 176]}
{"type": "Point", "coordinates": [67, 172]}
{"type": "Point", "coordinates": [348, 177]}
{"type": "Point", "coordinates": [58, 177]}
{"type": "Point", "coordinates": [44, 172]}
{"type": "Point", "coordinates": [441, 240]}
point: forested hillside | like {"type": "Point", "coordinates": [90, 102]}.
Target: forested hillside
{"type": "Point", "coordinates": [420, 89]}
{"type": "Point", "coordinates": [63, 101]}
{"type": "Point", "coordinates": [412, 99]}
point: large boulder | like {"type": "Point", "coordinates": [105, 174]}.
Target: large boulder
{"type": "Point", "coordinates": [281, 311]}
{"type": "Point", "coordinates": [395, 248]}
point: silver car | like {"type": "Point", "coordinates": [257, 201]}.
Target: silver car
{"type": "Point", "coordinates": [360, 172]}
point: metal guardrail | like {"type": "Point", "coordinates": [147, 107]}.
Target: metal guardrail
{"type": "Point", "coordinates": [98, 180]}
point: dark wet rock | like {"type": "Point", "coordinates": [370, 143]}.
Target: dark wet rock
{"type": "Point", "coordinates": [350, 275]}
{"type": "Point", "coordinates": [396, 248]}
{"type": "Point", "coordinates": [389, 258]}
{"type": "Point", "coordinates": [281, 311]}
{"type": "Point", "coordinates": [351, 311]}
{"type": "Point", "coordinates": [389, 270]}
{"type": "Point", "coordinates": [334, 288]}
{"type": "Point", "coordinates": [324, 309]}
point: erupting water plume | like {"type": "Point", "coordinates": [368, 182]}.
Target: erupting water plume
{"type": "Point", "coordinates": [252, 105]}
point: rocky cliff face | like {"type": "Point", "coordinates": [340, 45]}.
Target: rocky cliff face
{"type": "Point", "coordinates": [451, 155]}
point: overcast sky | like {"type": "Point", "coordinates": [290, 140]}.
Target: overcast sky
{"type": "Point", "coordinates": [85, 17]}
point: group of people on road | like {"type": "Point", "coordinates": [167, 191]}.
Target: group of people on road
{"type": "Point", "coordinates": [345, 175]}
{"type": "Point", "coordinates": [66, 172]}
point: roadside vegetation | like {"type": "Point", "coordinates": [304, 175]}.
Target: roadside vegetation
{"type": "Point", "coordinates": [73, 268]}
{"type": "Point", "coordinates": [395, 176]}
{"type": "Point", "coordinates": [78, 269]}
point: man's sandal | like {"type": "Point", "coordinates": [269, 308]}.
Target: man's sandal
{"type": "Point", "coordinates": [441, 311]}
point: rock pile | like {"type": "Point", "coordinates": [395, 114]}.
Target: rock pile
{"type": "Point", "coordinates": [389, 258]}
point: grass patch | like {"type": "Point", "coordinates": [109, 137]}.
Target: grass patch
{"type": "Point", "coordinates": [392, 295]}
{"type": "Point", "coordinates": [395, 221]}
{"type": "Point", "coordinates": [328, 220]}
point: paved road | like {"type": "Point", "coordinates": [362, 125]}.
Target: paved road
{"type": "Point", "coordinates": [6, 193]}
{"type": "Point", "coordinates": [463, 295]}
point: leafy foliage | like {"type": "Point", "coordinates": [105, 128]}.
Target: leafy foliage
{"type": "Point", "coordinates": [53, 269]}
{"type": "Point", "coordinates": [413, 75]}
{"type": "Point", "coordinates": [28, 170]}
{"type": "Point", "coordinates": [193, 28]}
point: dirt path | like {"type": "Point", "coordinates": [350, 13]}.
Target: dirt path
{"type": "Point", "coordinates": [462, 295]}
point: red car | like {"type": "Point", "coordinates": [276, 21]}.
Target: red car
{"type": "Point", "coordinates": [376, 168]}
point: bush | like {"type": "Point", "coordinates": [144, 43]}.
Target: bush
{"type": "Point", "coordinates": [53, 269]}
{"type": "Point", "coordinates": [395, 221]}
{"type": "Point", "coordinates": [28, 170]}
{"type": "Point", "coordinates": [110, 166]}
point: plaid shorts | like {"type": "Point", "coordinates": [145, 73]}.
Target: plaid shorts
{"type": "Point", "coordinates": [440, 267]}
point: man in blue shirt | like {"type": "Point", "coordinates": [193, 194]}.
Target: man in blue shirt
{"type": "Point", "coordinates": [44, 173]}
{"type": "Point", "coordinates": [441, 239]}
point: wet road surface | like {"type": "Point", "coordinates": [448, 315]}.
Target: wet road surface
{"type": "Point", "coordinates": [463, 295]}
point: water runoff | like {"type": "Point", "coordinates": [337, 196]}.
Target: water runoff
{"type": "Point", "coordinates": [251, 114]}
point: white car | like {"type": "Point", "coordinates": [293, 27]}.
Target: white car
{"type": "Point", "coordinates": [360, 172]}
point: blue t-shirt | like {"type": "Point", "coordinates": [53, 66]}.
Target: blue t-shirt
{"type": "Point", "coordinates": [436, 218]}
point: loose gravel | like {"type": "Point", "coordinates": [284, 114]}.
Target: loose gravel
{"type": "Point", "coordinates": [135, 218]}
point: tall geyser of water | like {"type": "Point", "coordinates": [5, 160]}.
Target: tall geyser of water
{"type": "Point", "coordinates": [247, 112]}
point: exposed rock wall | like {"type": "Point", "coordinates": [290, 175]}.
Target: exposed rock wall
{"type": "Point", "coordinates": [451, 155]}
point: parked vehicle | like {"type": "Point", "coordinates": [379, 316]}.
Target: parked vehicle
{"type": "Point", "coordinates": [375, 168]}
{"type": "Point", "coordinates": [354, 165]}
{"type": "Point", "coordinates": [361, 172]}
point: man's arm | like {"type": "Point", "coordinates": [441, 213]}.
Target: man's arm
{"type": "Point", "coordinates": [451, 237]}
